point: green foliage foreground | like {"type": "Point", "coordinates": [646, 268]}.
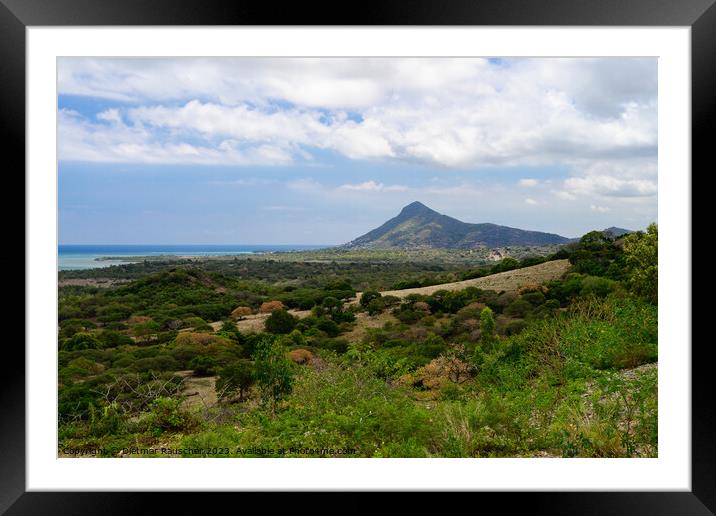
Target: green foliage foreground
{"type": "Point", "coordinates": [565, 369]}
{"type": "Point", "coordinates": [553, 390]}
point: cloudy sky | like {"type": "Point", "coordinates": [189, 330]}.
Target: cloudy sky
{"type": "Point", "coordinates": [319, 151]}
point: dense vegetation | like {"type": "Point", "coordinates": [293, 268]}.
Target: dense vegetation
{"type": "Point", "coordinates": [271, 358]}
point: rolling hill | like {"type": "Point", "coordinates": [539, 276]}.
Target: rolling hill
{"type": "Point", "coordinates": [418, 226]}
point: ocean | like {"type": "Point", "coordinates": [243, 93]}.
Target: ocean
{"type": "Point", "coordinates": [74, 257]}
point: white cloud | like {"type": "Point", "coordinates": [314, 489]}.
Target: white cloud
{"type": "Point", "coordinates": [372, 186]}
{"type": "Point", "coordinates": [567, 196]}
{"type": "Point", "coordinates": [529, 183]}
{"type": "Point", "coordinates": [81, 140]}
{"type": "Point", "coordinates": [531, 201]}
{"type": "Point", "coordinates": [600, 209]}
{"type": "Point", "coordinates": [609, 186]}
{"type": "Point", "coordinates": [460, 112]}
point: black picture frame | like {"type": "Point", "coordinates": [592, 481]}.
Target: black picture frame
{"type": "Point", "coordinates": [16, 15]}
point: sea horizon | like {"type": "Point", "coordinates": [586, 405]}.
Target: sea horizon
{"type": "Point", "coordinates": [90, 256]}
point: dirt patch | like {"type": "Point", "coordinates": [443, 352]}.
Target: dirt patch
{"type": "Point", "coordinates": [256, 322]}
{"type": "Point", "coordinates": [507, 281]}
{"type": "Point", "coordinates": [364, 321]}
{"type": "Point", "coordinates": [91, 282]}
{"type": "Point", "coordinates": [200, 391]}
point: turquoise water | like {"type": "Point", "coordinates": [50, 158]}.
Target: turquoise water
{"type": "Point", "coordinates": [74, 257]}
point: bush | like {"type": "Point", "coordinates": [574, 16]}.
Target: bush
{"type": "Point", "coordinates": [407, 315]}
{"type": "Point", "coordinates": [375, 306]}
{"type": "Point", "coordinates": [203, 365]}
{"type": "Point", "coordinates": [158, 363]}
{"type": "Point", "coordinates": [194, 322]}
{"type": "Point", "coordinates": [514, 327]}
{"type": "Point", "coordinates": [106, 421]}
{"type": "Point", "coordinates": [600, 287]}
{"type": "Point", "coordinates": [81, 340]}
{"type": "Point", "coordinates": [433, 345]}
{"type": "Point", "coordinates": [534, 298]}
{"type": "Point", "coordinates": [300, 356]}
{"type": "Point", "coordinates": [269, 306]}
{"type": "Point", "coordinates": [488, 338]}
{"type": "Point", "coordinates": [518, 308]}
{"type": "Point", "coordinates": [113, 339]}
{"type": "Point", "coordinates": [197, 339]}
{"type": "Point", "coordinates": [368, 296]}
{"type": "Point", "coordinates": [237, 377]}
{"type": "Point", "coordinates": [421, 306]}
{"type": "Point", "coordinates": [329, 327]}
{"type": "Point", "coordinates": [167, 414]}
{"type": "Point", "coordinates": [240, 312]}
{"type": "Point", "coordinates": [642, 253]}
{"type": "Point", "coordinates": [273, 370]}
{"type": "Point", "coordinates": [280, 322]}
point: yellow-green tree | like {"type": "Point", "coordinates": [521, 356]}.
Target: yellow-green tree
{"type": "Point", "coordinates": [642, 252]}
{"type": "Point", "coordinates": [273, 370]}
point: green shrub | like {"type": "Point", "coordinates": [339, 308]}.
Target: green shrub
{"type": "Point", "coordinates": [642, 252]}
{"type": "Point", "coordinates": [534, 298]}
{"type": "Point", "coordinates": [81, 340]}
{"type": "Point", "coordinates": [280, 322]}
{"type": "Point", "coordinates": [514, 327]}
{"type": "Point", "coordinates": [488, 337]}
{"type": "Point", "coordinates": [166, 414]}
{"type": "Point", "coordinates": [203, 365]}
{"type": "Point", "coordinates": [237, 377]}
{"type": "Point", "coordinates": [158, 363]}
{"type": "Point", "coordinates": [518, 308]}
{"type": "Point", "coordinates": [600, 287]}
{"type": "Point", "coordinates": [329, 327]}
{"type": "Point", "coordinates": [113, 339]}
{"type": "Point", "coordinates": [273, 370]}
{"type": "Point", "coordinates": [375, 307]}
{"type": "Point", "coordinates": [368, 296]}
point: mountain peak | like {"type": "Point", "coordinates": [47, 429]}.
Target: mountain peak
{"type": "Point", "coordinates": [417, 226]}
{"type": "Point", "coordinates": [415, 208]}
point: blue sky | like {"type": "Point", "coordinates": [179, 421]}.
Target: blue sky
{"type": "Point", "coordinates": [319, 151]}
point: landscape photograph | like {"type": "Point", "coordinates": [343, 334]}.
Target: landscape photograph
{"type": "Point", "coordinates": [357, 257]}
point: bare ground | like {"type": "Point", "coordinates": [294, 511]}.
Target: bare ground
{"type": "Point", "coordinates": [91, 282]}
{"type": "Point", "coordinates": [200, 391]}
{"type": "Point", "coordinates": [256, 322]}
{"type": "Point", "coordinates": [364, 322]}
{"type": "Point", "coordinates": [507, 281]}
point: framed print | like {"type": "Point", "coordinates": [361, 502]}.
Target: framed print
{"type": "Point", "coordinates": [417, 253]}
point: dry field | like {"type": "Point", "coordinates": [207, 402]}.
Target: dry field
{"type": "Point", "coordinates": [502, 281]}
{"type": "Point", "coordinates": [91, 282]}
{"type": "Point", "coordinates": [256, 322]}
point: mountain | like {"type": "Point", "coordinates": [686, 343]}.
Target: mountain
{"type": "Point", "coordinates": [617, 232]}
{"type": "Point", "coordinates": [417, 226]}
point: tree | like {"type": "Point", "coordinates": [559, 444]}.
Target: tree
{"type": "Point", "coordinates": [642, 257]}
{"type": "Point", "coordinates": [376, 306]}
{"type": "Point", "coordinates": [113, 339]}
{"type": "Point", "coordinates": [433, 345]}
{"type": "Point", "coordinates": [269, 306]}
{"type": "Point", "coordinates": [145, 329]}
{"type": "Point", "coordinates": [487, 328]}
{"type": "Point", "coordinates": [235, 377]}
{"type": "Point", "coordinates": [202, 365]}
{"type": "Point", "coordinates": [368, 296]}
{"type": "Point", "coordinates": [228, 327]}
{"type": "Point", "coordinates": [81, 340]}
{"type": "Point", "coordinates": [332, 307]}
{"type": "Point", "coordinates": [273, 370]}
{"type": "Point", "coordinates": [240, 312]}
{"type": "Point", "coordinates": [280, 322]}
